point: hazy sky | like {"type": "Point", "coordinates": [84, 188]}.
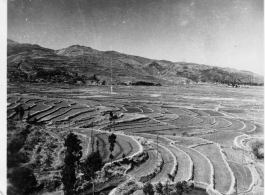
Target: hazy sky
{"type": "Point", "coordinates": [227, 33]}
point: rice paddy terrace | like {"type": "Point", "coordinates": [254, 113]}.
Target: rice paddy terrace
{"type": "Point", "coordinates": [201, 132]}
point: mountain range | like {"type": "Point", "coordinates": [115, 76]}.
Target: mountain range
{"type": "Point", "coordinates": [81, 64]}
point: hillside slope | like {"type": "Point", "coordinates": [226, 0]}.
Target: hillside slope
{"type": "Point", "coordinates": [33, 63]}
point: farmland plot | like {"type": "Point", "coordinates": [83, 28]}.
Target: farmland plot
{"type": "Point", "coordinates": [176, 110]}
{"type": "Point", "coordinates": [154, 129]}
{"type": "Point", "coordinates": [194, 122]}
{"type": "Point", "coordinates": [84, 116]}
{"type": "Point", "coordinates": [48, 112]}
{"type": "Point", "coordinates": [222, 174]}
{"type": "Point", "coordinates": [132, 110]}
{"type": "Point", "coordinates": [55, 114]}
{"type": "Point", "coordinates": [147, 166]}
{"type": "Point", "coordinates": [258, 130]}
{"type": "Point", "coordinates": [242, 115]}
{"type": "Point", "coordinates": [213, 113]}
{"type": "Point", "coordinates": [248, 127]}
{"type": "Point", "coordinates": [40, 107]}
{"type": "Point", "coordinates": [243, 176]}
{"type": "Point", "coordinates": [184, 171]}
{"type": "Point", "coordinates": [167, 167]}
{"type": "Point", "coordinates": [124, 145]}
{"type": "Point", "coordinates": [84, 122]}
{"type": "Point", "coordinates": [188, 141]}
{"type": "Point", "coordinates": [199, 112]}
{"type": "Point", "coordinates": [221, 123]}
{"type": "Point", "coordinates": [182, 119]}
{"type": "Point", "coordinates": [72, 113]}
{"type": "Point", "coordinates": [202, 165]}
{"type": "Point", "coordinates": [13, 106]}
{"type": "Point", "coordinates": [144, 126]}
{"type": "Point", "coordinates": [236, 125]}
{"type": "Point", "coordinates": [62, 103]}
{"type": "Point", "coordinates": [13, 99]}
{"type": "Point", "coordinates": [189, 112]}
{"type": "Point", "coordinates": [147, 110]}
{"type": "Point", "coordinates": [125, 126]}
{"type": "Point", "coordinates": [206, 121]}
{"type": "Point", "coordinates": [236, 156]}
{"type": "Point", "coordinates": [222, 138]}
{"type": "Point", "coordinates": [135, 123]}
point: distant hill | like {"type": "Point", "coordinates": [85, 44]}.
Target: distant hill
{"type": "Point", "coordinates": [81, 64]}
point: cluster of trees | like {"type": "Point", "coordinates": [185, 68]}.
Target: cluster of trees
{"type": "Point", "coordinates": [258, 149]}
{"type": "Point", "coordinates": [57, 75]}
{"type": "Point", "coordinates": [14, 156]}
{"type": "Point", "coordinates": [145, 83]}
{"type": "Point", "coordinates": [182, 187]}
{"type": "Point", "coordinates": [22, 178]}
{"type": "Point", "coordinates": [39, 74]}
{"type": "Point", "coordinates": [91, 165]}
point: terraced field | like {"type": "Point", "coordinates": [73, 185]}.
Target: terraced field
{"type": "Point", "coordinates": [202, 166]}
{"type": "Point", "coordinates": [223, 177]}
{"type": "Point", "coordinates": [147, 167]}
{"type": "Point", "coordinates": [200, 133]}
{"type": "Point", "coordinates": [243, 176]}
{"type": "Point", "coordinates": [124, 144]}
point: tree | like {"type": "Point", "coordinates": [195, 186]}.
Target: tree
{"type": "Point", "coordinates": [184, 187]}
{"type": "Point", "coordinates": [112, 141]}
{"type": "Point", "coordinates": [20, 111]}
{"type": "Point", "coordinates": [92, 140]}
{"type": "Point", "coordinates": [112, 119]}
{"type": "Point", "coordinates": [171, 177]}
{"type": "Point", "coordinates": [92, 164]}
{"type": "Point", "coordinates": [148, 189]}
{"type": "Point", "coordinates": [23, 180]}
{"type": "Point", "coordinates": [48, 159]}
{"type": "Point", "coordinates": [166, 189]}
{"type": "Point", "coordinates": [159, 188]}
{"type": "Point", "coordinates": [71, 163]}
{"type": "Point", "coordinates": [123, 156]}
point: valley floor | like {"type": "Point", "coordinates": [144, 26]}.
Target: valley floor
{"type": "Point", "coordinates": [204, 134]}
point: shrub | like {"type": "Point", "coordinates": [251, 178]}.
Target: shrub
{"type": "Point", "coordinates": [16, 143]}
{"type": "Point", "coordinates": [258, 149]}
{"type": "Point", "coordinates": [23, 179]}
{"type": "Point", "coordinates": [184, 187]}
{"type": "Point", "coordinates": [92, 164]}
{"type": "Point", "coordinates": [159, 188]}
{"type": "Point", "coordinates": [148, 189]}
{"type": "Point", "coordinates": [184, 134]}
{"type": "Point", "coordinates": [13, 160]}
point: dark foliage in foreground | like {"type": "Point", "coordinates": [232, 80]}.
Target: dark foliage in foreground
{"type": "Point", "coordinates": [92, 164]}
{"type": "Point", "coordinates": [148, 189]}
{"type": "Point", "coordinates": [23, 181]}
{"type": "Point", "coordinates": [71, 163]}
{"type": "Point", "coordinates": [257, 148]}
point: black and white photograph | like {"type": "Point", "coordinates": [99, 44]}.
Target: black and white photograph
{"type": "Point", "coordinates": [132, 97]}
